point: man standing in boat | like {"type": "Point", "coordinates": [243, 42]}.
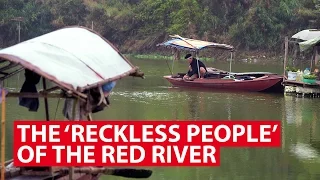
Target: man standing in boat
{"type": "Point", "coordinates": [193, 72]}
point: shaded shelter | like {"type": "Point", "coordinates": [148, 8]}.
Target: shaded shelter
{"type": "Point", "coordinates": [306, 34]}
{"type": "Point", "coordinates": [301, 44]}
{"type": "Point", "coordinates": [310, 44]}
{"type": "Point", "coordinates": [216, 79]}
{"type": "Point", "coordinates": [306, 55]}
{"type": "Point", "coordinates": [193, 45]}
{"type": "Point", "coordinates": [84, 68]}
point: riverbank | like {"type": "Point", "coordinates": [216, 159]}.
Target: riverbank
{"type": "Point", "coordinates": [252, 57]}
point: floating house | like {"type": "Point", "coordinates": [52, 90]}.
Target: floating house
{"type": "Point", "coordinates": [303, 42]}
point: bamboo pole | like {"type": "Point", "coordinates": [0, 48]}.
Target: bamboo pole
{"type": "Point", "coordinates": [40, 94]}
{"type": "Point", "coordinates": [230, 63]}
{"type": "Point", "coordinates": [3, 133]}
{"type": "Point", "coordinates": [311, 62]}
{"type": "Point", "coordinates": [316, 56]}
{"type": "Point", "coordinates": [45, 99]}
{"type": "Point", "coordinates": [71, 169]}
{"type": "Point", "coordinates": [286, 42]}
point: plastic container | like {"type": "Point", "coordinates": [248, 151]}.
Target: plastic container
{"type": "Point", "coordinates": [292, 76]}
{"type": "Point", "coordinates": [309, 81]}
{"type": "Point", "coordinates": [299, 77]}
{"type": "Point", "coordinates": [306, 71]}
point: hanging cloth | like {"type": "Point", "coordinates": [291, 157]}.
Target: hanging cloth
{"type": "Point", "coordinates": [29, 85]}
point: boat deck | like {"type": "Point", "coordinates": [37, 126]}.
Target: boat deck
{"type": "Point", "coordinates": [301, 89]}
{"type": "Point", "coordinates": [301, 84]}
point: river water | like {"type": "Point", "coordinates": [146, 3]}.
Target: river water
{"type": "Point", "coordinates": [153, 98]}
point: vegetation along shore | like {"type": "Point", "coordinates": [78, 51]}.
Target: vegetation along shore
{"type": "Point", "coordinates": [255, 28]}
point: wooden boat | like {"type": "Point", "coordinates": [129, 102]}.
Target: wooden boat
{"type": "Point", "coordinates": [251, 81]}
{"type": "Point", "coordinates": [219, 79]}
{"type": "Point", "coordinates": [77, 61]}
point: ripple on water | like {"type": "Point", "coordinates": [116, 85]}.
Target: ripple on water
{"type": "Point", "coordinates": [149, 97]}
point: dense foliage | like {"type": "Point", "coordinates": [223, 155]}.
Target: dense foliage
{"type": "Point", "coordinates": [137, 25]}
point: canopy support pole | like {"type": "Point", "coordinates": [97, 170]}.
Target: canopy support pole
{"type": "Point", "coordinates": [45, 99]}
{"type": "Point", "coordinates": [286, 43]}
{"type": "Point", "coordinates": [311, 62]}
{"type": "Point", "coordinates": [316, 55]}
{"type": "Point", "coordinates": [197, 57]}
{"type": "Point", "coordinates": [3, 133]}
{"type": "Point", "coordinates": [174, 51]}
{"type": "Point", "coordinates": [71, 169]}
{"type": "Point", "coordinates": [230, 64]}
{"type": "Point", "coordinates": [195, 52]}
{"type": "Point", "coordinates": [172, 66]}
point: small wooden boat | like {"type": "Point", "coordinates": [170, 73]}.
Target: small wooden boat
{"type": "Point", "coordinates": [78, 62]}
{"type": "Point", "coordinates": [219, 79]}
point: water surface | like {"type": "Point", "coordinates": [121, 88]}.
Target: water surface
{"type": "Point", "coordinates": [153, 98]}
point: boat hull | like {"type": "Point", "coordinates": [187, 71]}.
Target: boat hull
{"type": "Point", "coordinates": [268, 83]}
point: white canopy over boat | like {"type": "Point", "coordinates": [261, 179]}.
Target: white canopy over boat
{"type": "Point", "coordinates": [72, 57]}
{"type": "Point", "coordinates": [307, 34]}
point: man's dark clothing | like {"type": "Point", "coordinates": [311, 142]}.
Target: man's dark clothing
{"type": "Point", "coordinates": [194, 67]}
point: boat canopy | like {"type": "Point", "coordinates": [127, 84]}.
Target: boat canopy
{"type": "Point", "coordinates": [309, 44]}
{"type": "Point", "coordinates": [75, 58]}
{"type": "Point", "coordinates": [193, 44]}
{"type": "Point", "coordinates": [306, 34]}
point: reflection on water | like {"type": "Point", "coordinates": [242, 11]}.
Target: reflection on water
{"type": "Point", "coordinates": [154, 99]}
{"type": "Point", "coordinates": [304, 151]}
{"type": "Point", "coordinates": [194, 101]}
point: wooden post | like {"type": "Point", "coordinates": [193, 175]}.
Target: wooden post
{"type": "Point", "coordinates": [295, 54]}
{"type": "Point", "coordinates": [3, 133]}
{"type": "Point", "coordinates": [230, 64]}
{"type": "Point", "coordinates": [71, 169]}
{"type": "Point", "coordinates": [286, 42]}
{"type": "Point", "coordinates": [311, 62]}
{"type": "Point", "coordinates": [45, 99]}
{"type": "Point", "coordinates": [316, 55]}
{"type": "Point", "coordinates": [176, 55]}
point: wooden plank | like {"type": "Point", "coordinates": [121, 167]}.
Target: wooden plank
{"type": "Point", "coordinates": [50, 89]}
{"type": "Point", "coordinates": [35, 95]}
{"type": "Point", "coordinates": [45, 99]}
{"type": "Point", "coordinates": [297, 83]}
